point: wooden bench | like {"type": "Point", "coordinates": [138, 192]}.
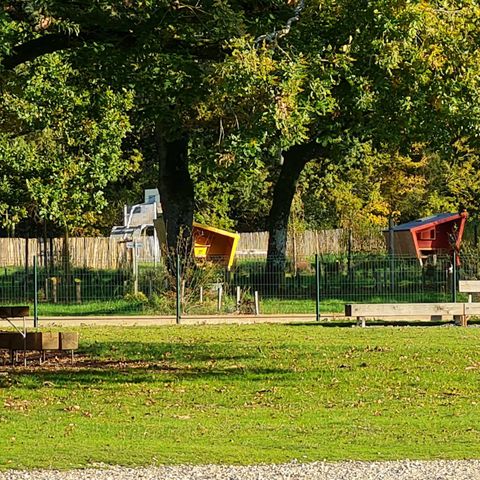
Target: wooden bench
{"type": "Point", "coordinates": [470, 287]}
{"type": "Point", "coordinates": [39, 341]}
{"type": "Point", "coordinates": [20, 339]}
{"type": "Point", "coordinates": [8, 313]}
{"type": "Point", "coordinates": [436, 311]}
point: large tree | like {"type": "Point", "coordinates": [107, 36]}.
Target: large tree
{"type": "Point", "coordinates": [396, 76]}
{"type": "Point", "coordinates": [338, 75]}
{"type": "Point", "coordinates": [161, 50]}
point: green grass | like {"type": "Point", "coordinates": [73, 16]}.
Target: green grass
{"type": "Point", "coordinates": [269, 306]}
{"type": "Point", "coordinates": [272, 306]}
{"type": "Point", "coordinates": [247, 394]}
{"type": "Point", "coordinates": [107, 307]}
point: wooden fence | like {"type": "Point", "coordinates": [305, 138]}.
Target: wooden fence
{"type": "Point", "coordinates": [335, 241]}
{"type": "Point", "coordinates": [103, 253]}
{"type": "Point", "coordinates": [95, 252]}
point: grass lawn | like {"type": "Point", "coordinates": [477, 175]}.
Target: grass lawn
{"type": "Point", "coordinates": [101, 307]}
{"type": "Point", "coordinates": [246, 394]}
{"type": "Point", "coordinates": [272, 306]}
{"type": "Point", "coordinates": [129, 307]}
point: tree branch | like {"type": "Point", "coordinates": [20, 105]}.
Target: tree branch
{"type": "Point", "coordinates": [39, 46]}
{"type": "Point", "coordinates": [276, 35]}
{"type": "Point", "coordinates": [55, 42]}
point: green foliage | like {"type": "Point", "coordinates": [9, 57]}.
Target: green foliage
{"type": "Point", "coordinates": [378, 86]}
{"type": "Point", "coordinates": [60, 145]}
{"type": "Point", "coordinates": [138, 298]}
{"type": "Point", "coordinates": [381, 86]}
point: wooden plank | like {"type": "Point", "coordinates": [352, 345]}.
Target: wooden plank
{"type": "Point", "coordinates": [16, 311]}
{"type": "Point", "coordinates": [469, 286]}
{"type": "Point", "coordinates": [472, 308]}
{"type": "Point", "coordinates": [68, 340]}
{"type": "Point", "coordinates": [404, 309]}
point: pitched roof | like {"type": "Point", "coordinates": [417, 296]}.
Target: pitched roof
{"type": "Point", "coordinates": [434, 219]}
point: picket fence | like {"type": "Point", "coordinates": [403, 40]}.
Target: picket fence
{"type": "Point", "coordinates": [104, 253]}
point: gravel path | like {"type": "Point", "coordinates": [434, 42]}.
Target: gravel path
{"type": "Point", "coordinates": [401, 470]}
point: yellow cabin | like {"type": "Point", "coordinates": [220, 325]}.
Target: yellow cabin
{"type": "Point", "coordinates": [214, 244]}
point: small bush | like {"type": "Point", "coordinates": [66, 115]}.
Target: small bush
{"type": "Point", "coordinates": [138, 297]}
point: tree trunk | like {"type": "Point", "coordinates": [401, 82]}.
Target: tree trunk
{"type": "Point", "coordinates": [294, 162]}
{"type": "Point", "coordinates": [176, 193]}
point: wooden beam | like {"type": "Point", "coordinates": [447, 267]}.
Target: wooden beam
{"type": "Point", "coordinates": [406, 309]}
{"type": "Point", "coordinates": [469, 286]}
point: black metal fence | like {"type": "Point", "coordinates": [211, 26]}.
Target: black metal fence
{"type": "Point", "coordinates": [252, 285]}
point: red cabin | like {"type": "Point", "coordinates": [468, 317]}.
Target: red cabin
{"type": "Point", "coordinates": [438, 234]}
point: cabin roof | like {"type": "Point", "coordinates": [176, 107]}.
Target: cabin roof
{"type": "Point", "coordinates": [426, 221]}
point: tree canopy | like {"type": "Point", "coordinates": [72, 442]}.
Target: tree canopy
{"type": "Point", "coordinates": [229, 102]}
{"type": "Point", "coordinates": [60, 145]}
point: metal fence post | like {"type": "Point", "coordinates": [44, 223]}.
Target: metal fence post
{"type": "Point", "coordinates": [391, 253]}
{"type": "Point", "coordinates": [178, 299]}
{"type": "Point", "coordinates": [135, 267]}
{"type": "Point", "coordinates": [35, 292]}
{"type": "Point", "coordinates": [454, 279]}
{"type": "Point", "coordinates": [317, 288]}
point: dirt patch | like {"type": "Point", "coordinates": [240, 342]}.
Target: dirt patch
{"type": "Point", "coordinates": [63, 362]}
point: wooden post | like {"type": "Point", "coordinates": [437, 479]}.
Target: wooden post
{"type": "Point", "coordinates": [239, 298]}
{"type": "Point", "coordinates": [317, 288]}
{"type": "Point", "coordinates": [219, 298]}
{"type": "Point", "coordinates": [54, 289]}
{"type": "Point", "coordinates": [135, 268]}
{"type": "Point", "coordinates": [25, 281]}
{"type": "Point", "coordinates": [182, 292]}
{"type": "Point", "coordinates": [24, 343]}
{"type": "Point", "coordinates": [35, 292]}
{"type": "Point", "coordinates": [201, 294]}
{"type": "Point", "coordinates": [178, 303]}
{"type": "Point", "coordinates": [47, 289]}
{"type": "Point", "coordinates": [257, 306]}
{"type": "Point", "coordinates": [361, 322]}
{"type": "Point", "coordinates": [78, 290]}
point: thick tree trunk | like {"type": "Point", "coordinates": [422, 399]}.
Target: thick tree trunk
{"type": "Point", "coordinates": [176, 193]}
{"type": "Point", "coordinates": [294, 162]}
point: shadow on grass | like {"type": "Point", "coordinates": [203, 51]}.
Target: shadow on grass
{"type": "Point", "coordinates": [137, 362]}
{"type": "Point", "coordinates": [178, 352]}
{"type": "Point", "coordinates": [91, 311]}
{"type": "Point", "coordinates": [379, 323]}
